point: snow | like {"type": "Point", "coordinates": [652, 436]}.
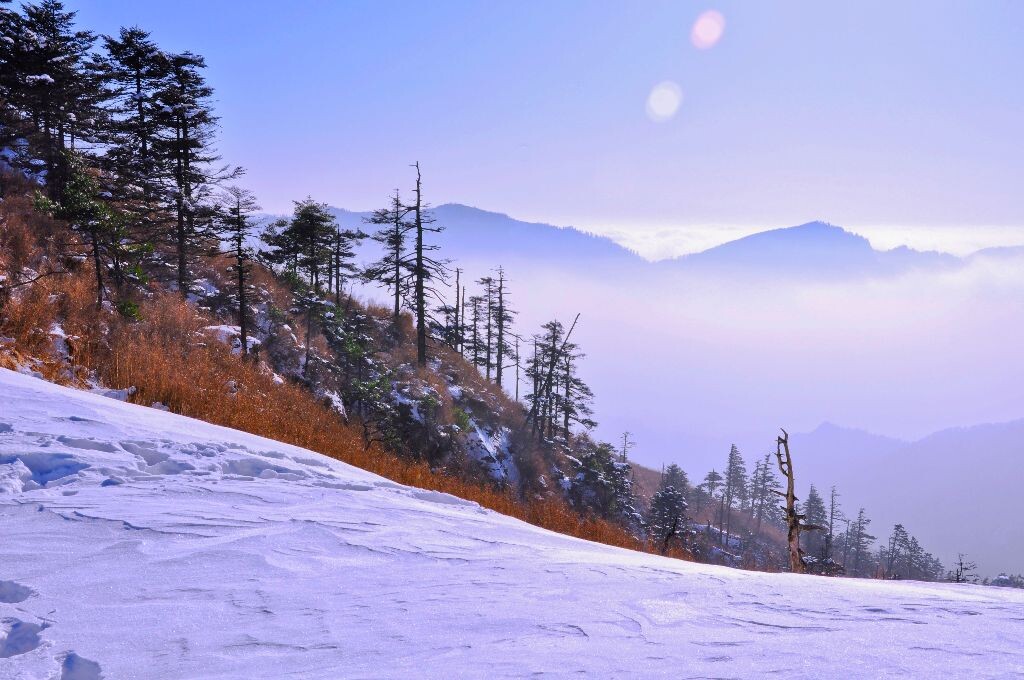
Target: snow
{"type": "Point", "coordinates": [140, 544]}
{"type": "Point", "coordinates": [232, 335]}
{"type": "Point", "coordinates": [492, 450]}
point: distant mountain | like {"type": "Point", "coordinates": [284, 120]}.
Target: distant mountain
{"type": "Point", "coordinates": [816, 249]}
{"type": "Point", "coordinates": [958, 490]}
{"type": "Point", "coordinates": [480, 236]}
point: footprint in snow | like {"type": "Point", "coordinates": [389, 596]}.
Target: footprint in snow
{"type": "Point", "coordinates": [22, 637]}
{"type": "Point", "coordinates": [79, 668]}
{"type": "Point", "coordinates": [12, 592]}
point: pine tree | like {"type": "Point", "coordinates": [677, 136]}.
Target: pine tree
{"type": "Point", "coordinates": [576, 398]}
{"type": "Point", "coordinates": [666, 519]}
{"type": "Point", "coordinates": [394, 269]}
{"type": "Point", "coordinates": [235, 226]}
{"type": "Point", "coordinates": [764, 486]}
{"type": "Point", "coordinates": [834, 514]}
{"type": "Point", "coordinates": [280, 248]}
{"type": "Point", "coordinates": [184, 149]}
{"type": "Point", "coordinates": [860, 544]}
{"type": "Point", "coordinates": [963, 571]}
{"type": "Point", "coordinates": [487, 317]}
{"type": "Point", "coordinates": [342, 264]}
{"type": "Point", "coordinates": [814, 514]}
{"type": "Point", "coordinates": [560, 398]}
{"type": "Point", "coordinates": [135, 71]}
{"type": "Point", "coordinates": [51, 86]}
{"type": "Point", "coordinates": [503, 316]}
{"type": "Point", "coordinates": [602, 484]}
{"type": "Point", "coordinates": [896, 551]}
{"type": "Point", "coordinates": [735, 490]}
{"type": "Point", "coordinates": [426, 270]}
{"type": "Point", "coordinates": [674, 476]}
{"type": "Point", "coordinates": [313, 230]}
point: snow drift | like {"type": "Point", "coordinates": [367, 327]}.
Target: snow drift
{"type": "Point", "coordinates": [140, 544]}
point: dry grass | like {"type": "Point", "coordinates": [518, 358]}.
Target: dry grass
{"type": "Point", "coordinates": [162, 360]}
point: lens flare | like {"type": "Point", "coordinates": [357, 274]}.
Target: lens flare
{"type": "Point", "coordinates": [663, 101]}
{"type": "Point", "coordinates": [707, 30]}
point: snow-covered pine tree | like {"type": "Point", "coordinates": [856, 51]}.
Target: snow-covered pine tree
{"type": "Point", "coordinates": [51, 86]}
{"type": "Point", "coordinates": [666, 519]}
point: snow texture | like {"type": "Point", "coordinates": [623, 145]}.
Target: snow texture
{"type": "Point", "coordinates": [140, 544]}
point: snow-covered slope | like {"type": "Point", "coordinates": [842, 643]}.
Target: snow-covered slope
{"type": "Point", "coordinates": [139, 544]}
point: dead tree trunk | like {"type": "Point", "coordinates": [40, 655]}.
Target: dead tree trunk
{"type": "Point", "coordinates": [796, 562]}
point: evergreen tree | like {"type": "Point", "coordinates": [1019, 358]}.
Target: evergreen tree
{"type": "Point", "coordinates": [487, 301]}
{"type": "Point", "coordinates": [712, 482]}
{"type": "Point", "coordinates": [394, 269]}
{"type": "Point", "coordinates": [51, 86]}
{"type": "Point", "coordinates": [734, 490]}
{"type": "Point", "coordinates": [764, 486]}
{"type": "Point", "coordinates": [560, 398]}
{"type": "Point", "coordinates": [896, 551]}
{"type": "Point", "coordinates": [503, 316]}
{"type": "Point", "coordinates": [834, 514]}
{"type": "Point", "coordinates": [666, 519]}
{"type": "Point", "coordinates": [576, 397]}
{"type": "Point", "coordinates": [184, 149]}
{"type": "Point", "coordinates": [313, 231]}
{"type": "Point", "coordinates": [341, 265]}
{"type": "Point", "coordinates": [860, 545]}
{"type": "Point", "coordinates": [281, 249]}
{"type": "Point", "coordinates": [601, 484]}
{"type": "Point", "coordinates": [235, 224]}
{"type": "Point", "coordinates": [815, 514]}
{"type": "Point", "coordinates": [675, 477]}
{"type": "Point", "coordinates": [135, 71]}
{"type": "Point", "coordinates": [426, 270]}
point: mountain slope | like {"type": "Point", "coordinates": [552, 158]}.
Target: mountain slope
{"type": "Point", "coordinates": [140, 542]}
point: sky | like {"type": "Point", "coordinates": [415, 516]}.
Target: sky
{"type": "Point", "coordinates": [672, 126]}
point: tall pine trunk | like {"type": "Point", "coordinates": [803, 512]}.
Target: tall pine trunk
{"type": "Point", "coordinates": [421, 303]}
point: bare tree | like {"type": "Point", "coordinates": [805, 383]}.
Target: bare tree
{"type": "Point", "coordinates": [793, 518]}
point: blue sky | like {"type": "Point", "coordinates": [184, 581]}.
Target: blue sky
{"type": "Point", "coordinates": [890, 118]}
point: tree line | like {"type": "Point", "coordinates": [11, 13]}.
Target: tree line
{"type": "Point", "coordinates": [737, 506]}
